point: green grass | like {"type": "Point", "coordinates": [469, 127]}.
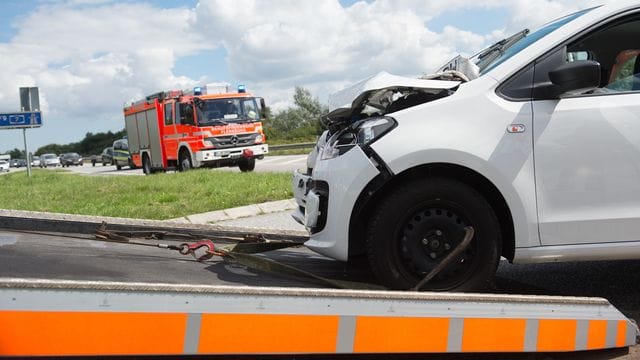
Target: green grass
{"type": "Point", "coordinates": [161, 196]}
{"type": "Point", "coordinates": [290, 152]}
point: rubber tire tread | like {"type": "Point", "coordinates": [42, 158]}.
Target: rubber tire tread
{"type": "Point", "coordinates": [394, 206]}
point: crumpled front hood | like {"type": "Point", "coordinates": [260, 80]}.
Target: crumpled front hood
{"type": "Point", "coordinates": [381, 94]}
{"type": "Point", "coordinates": [363, 89]}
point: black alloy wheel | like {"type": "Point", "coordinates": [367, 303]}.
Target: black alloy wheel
{"type": "Point", "coordinates": [420, 223]}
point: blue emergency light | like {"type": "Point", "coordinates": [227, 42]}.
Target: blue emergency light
{"type": "Point", "coordinates": [197, 90]}
{"type": "Point", "coordinates": [242, 88]}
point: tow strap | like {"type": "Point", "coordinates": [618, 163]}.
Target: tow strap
{"type": "Point", "coordinates": [243, 250]}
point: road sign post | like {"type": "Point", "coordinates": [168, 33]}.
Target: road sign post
{"type": "Point", "coordinates": [29, 117]}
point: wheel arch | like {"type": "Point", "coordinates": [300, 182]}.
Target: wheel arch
{"type": "Point", "coordinates": [184, 146]}
{"type": "Point", "coordinates": [379, 187]}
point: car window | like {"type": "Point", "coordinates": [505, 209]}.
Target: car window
{"type": "Point", "coordinates": [526, 41]}
{"type": "Point", "coordinates": [616, 47]}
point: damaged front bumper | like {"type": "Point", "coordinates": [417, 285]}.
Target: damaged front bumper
{"type": "Point", "coordinates": [327, 197]}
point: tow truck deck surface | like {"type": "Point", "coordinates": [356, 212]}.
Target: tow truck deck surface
{"type": "Point", "coordinates": [82, 279]}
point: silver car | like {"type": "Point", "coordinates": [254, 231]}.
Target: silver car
{"type": "Point", "coordinates": [47, 160]}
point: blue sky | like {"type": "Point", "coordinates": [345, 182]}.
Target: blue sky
{"type": "Point", "coordinates": [89, 57]}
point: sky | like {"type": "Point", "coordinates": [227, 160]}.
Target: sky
{"type": "Point", "coordinates": [90, 57]}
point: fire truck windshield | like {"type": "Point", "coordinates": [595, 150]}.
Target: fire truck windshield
{"type": "Point", "coordinates": [224, 111]}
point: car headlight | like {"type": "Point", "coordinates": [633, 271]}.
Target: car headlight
{"type": "Point", "coordinates": [360, 133]}
{"type": "Point", "coordinates": [207, 143]}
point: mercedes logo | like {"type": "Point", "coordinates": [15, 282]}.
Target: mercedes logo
{"type": "Point", "coordinates": [234, 139]}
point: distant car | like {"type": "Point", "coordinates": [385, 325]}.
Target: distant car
{"type": "Point", "coordinates": [107, 156]}
{"type": "Point", "coordinates": [121, 156]}
{"type": "Point", "coordinates": [21, 163]}
{"type": "Point", "coordinates": [35, 161]}
{"type": "Point", "coordinates": [47, 160]}
{"type": "Point", "coordinates": [4, 166]}
{"type": "Point", "coordinates": [13, 163]}
{"type": "Point", "coordinates": [69, 159]}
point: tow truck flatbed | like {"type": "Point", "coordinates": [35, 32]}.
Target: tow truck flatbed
{"type": "Point", "coordinates": [59, 282]}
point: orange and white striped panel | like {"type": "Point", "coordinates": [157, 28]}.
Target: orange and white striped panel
{"type": "Point", "coordinates": [154, 319]}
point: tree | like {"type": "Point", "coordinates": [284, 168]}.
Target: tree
{"type": "Point", "coordinates": [17, 154]}
{"type": "Point", "coordinates": [302, 121]}
{"type": "Point", "coordinates": [92, 144]}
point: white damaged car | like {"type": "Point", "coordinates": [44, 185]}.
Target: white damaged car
{"type": "Point", "coordinates": [534, 142]}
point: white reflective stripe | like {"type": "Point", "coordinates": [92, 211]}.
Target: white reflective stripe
{"type": "Point", "coordinates": [203, 133]}
{"type": "Point", "coordinates": [192, 333]}
{"type": "Point", "coordinates": [531, 335]}
{"type": "Point", "coordinates": [612, 333]}
{"type": "Point", "coordinates": [632, 333]}
{"type": "Point", "coordinates": [454, 340]}
{"type": "Point", "coordinates": [582, 333]}
{"type": "Point", "coordinates": [346, 334]}
{"type": "Point", "coordinates": [173, 136]}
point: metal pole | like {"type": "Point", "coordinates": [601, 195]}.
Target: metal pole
{"type": "Point", "coordinates": [26, 151]}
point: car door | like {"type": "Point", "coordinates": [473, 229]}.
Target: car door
{"type": "Point", "coordinates": [170, 135]}
{"type": "Point", "coordinates": [587, 146]}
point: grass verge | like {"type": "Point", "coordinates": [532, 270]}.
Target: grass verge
{"type": "Point", "coordinates": [161, 196]}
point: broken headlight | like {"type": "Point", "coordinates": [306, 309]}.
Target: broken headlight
{"type": "Point", "coordinates": [363, 132]}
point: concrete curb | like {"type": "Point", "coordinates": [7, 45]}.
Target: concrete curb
{"type": "Point", "coordinates": [238, 212]}
{"type": "Point", "coordinates": [69, 223]}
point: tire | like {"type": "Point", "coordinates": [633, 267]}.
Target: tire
{"type": "Point", "coordinates": [184, 163]}
{"type": "Point", "coordinates": [146, 164]}
{"type": "Point", "coordinates": [418, 224]}
{"type": "Point", "coordinates": [247, 165]}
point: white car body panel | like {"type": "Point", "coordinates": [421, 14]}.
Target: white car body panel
{"type": "Point", "coordinates": [596, 198]}
{"type": "Point", "coordinates": [453, 135]}
{"type": "Point", "coordinates": [347, 175]}
{"type": "Point", "coordinates": [570, 175]}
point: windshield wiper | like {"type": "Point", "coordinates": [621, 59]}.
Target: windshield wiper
{"type": "Point", "coordinates": [498, 48]}
{"type": "Point", "coordinates": [217, 122]}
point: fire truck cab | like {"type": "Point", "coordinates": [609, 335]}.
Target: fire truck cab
{"type": "Point", "coordinates": [198, 128]}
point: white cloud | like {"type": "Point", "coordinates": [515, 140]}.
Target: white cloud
{"type": "Point", "coordinates": [323, 45]}
{"type": "Point", "coordinates": [90, 56]}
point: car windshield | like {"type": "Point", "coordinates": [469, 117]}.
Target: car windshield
{"type": "Point", "coordinates": [499, 52]}
{"type": "Point", "coordinates": [225, 111]}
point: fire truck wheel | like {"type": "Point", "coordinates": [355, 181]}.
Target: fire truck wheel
{"type": "Point", "coordinates": [247, 165]}
{"type": "Point", "coordinates": [146, 164]}
{"type": "Point", "coordinates": [419, 224]}
{"type": "Point", "coordinates": [185, 161]}
{"type": "Point", "coordinates": [118, 167]}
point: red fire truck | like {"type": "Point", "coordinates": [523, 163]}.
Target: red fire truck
{"type": "Point", "coordinates": [205, 127]}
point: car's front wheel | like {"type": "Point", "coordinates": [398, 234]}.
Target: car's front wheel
{"type": "Point", "coordinates": [420, 223]}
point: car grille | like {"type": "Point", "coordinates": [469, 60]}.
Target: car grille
{"type": "Point", "coordinates": [229, 141]}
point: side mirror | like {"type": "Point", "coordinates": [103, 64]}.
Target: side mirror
{"type": "Point", "coordinates": [263, 109]}
{"type": "Point", "coordinates": [575, 77]}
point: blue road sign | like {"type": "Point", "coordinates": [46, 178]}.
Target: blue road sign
{"type": "Point", "coordinates": [20, 120]}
